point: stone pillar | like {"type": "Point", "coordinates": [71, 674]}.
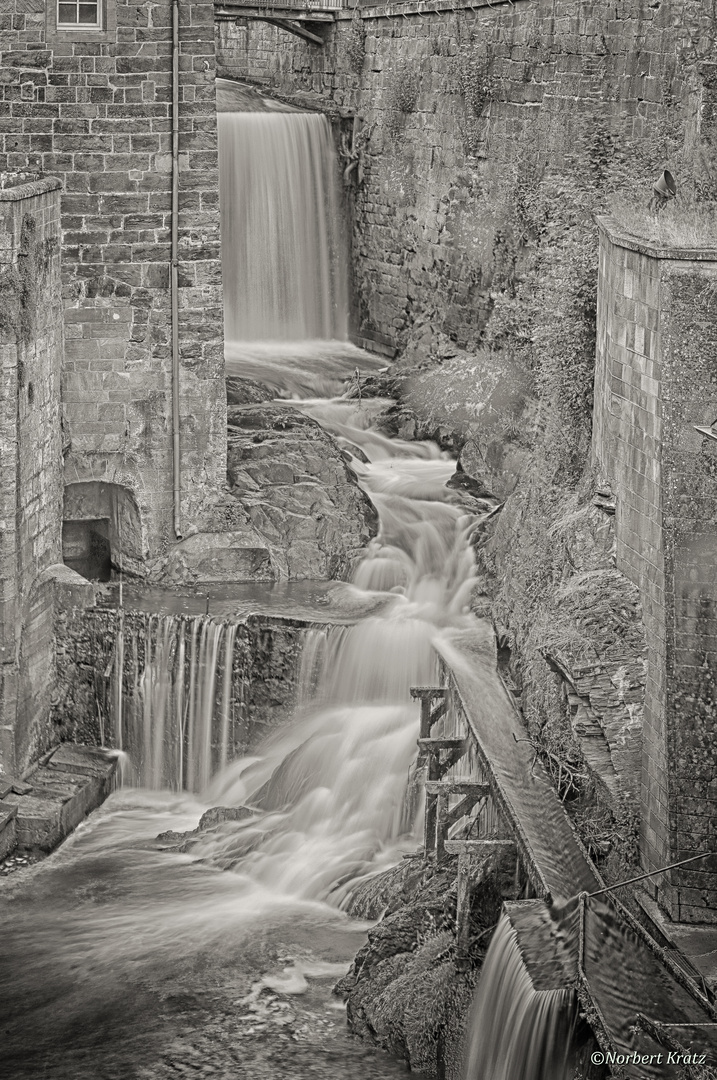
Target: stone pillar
{"type": "Point", "coordinates": [30, 462]}
{"type": "Point", "coordinates": [655, 382]}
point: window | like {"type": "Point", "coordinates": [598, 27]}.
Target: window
{"type": "Point", "coordinates": [84, 13]}
{"type": "Point", "coordinates": [79, 20]}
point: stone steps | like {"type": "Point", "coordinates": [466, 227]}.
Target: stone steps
{"type": "Point", "coordinates": [62, 792]}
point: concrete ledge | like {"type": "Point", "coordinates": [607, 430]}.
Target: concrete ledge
{"type": "Point", "coordinates": [71, 589]}
{"type": "Point", "coordinates": [75, 781]}
{"type": "Point", "coordinates": [8, 830]}
{"type": "Point", "coordinates": [622, 237]}
{"type": "Point", "coordinates": [30, 188]}
{"type": "Point", "coordinates": [426, 7]}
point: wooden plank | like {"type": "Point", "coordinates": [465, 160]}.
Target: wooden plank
{"type": "Point", "coordinates": [462, 809]}
{"type": "Point", "coordinates": [428, 691]}
{"type": "Point", "coordinates": [478, 847]}
{"type": "Point", "coordinates": [457, 787]}
{"type": "Point", "coordinates": [442, 744]}
{"type": "Point", "coordinates": [439, 711]}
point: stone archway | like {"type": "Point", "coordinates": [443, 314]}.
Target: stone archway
{"type": "Point", "coordinates": [102, 530]}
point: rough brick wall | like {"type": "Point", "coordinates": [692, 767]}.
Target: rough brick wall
{"type": "Point", "coordinates": [689, 348]}
{"type": "Point", "coordinates": [97, 114]}
{"type": "Point", "coordinates": [30, 462]}
{"type": "Point", "coordinates": [655, 379]}
{"type": "Point", "coordinates": [471, 101]}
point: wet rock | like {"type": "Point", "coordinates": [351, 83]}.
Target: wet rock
{"type": "Point", "coordinates": [494, 463]}
{"type": "Point", "coordinates": [219, 814]}
{"type": "Point", "coordinates": [398, 421]}
{"type": "Point", "coordinates": [403, 990]}
{"type": "Point", "coordinates": [467, 484]}
{"type": "Point", "coordinates": [211, 819]}
{"type": "Point", "coordinates": [246, 391]}
{"type": "Point", "coordinates": [297, 491]}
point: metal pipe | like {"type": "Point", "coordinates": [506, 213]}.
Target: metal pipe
{"type": "Point", "coordinates": [641, 877]}
{"type": "Point", "coordinates": [174, 282]}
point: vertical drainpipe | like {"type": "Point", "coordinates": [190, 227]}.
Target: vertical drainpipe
{"type": "Point", "coordinates": [174, 286]}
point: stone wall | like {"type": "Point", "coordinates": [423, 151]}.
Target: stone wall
{"type": "Point", "coordinates": [469, 107]}
{"type": "Point", "coordinates": [655, 380]}
{"type": "Point", "coordinates": [30, 462]}
{"type": "Point", "coordinates": [94, 109]}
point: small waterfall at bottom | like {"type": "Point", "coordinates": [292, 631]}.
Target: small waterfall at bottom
{"type": "Point", "coordinates": [515, 1031]}
{"type": "Point", "coordinates": [175, 723]}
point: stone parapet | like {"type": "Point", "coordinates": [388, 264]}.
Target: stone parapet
{"type": "Point", "coordinates": [654, 386]}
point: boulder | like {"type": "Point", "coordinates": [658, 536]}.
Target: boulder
{"type": "Point", "coordinates": [246, 391]}
{"type": "Point", "coordinates": [219, 814]}
{"type": "Point", "coordinates": [297, 491]}
{"type": "Point", "coordinates": [210, 820]}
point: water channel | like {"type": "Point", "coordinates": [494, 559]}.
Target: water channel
{"type": "Point", "coordinates": [138, 951]}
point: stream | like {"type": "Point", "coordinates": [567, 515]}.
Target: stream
{"type": "Point", "coordinates": [128, 953]}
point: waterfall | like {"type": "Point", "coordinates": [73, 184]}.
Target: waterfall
{"type": "Point", "coordinates": [176, 722]}
{"type": "Point", "coordinates": [516, 1032]}
{"type": "Point", "coordinates": [282, 268]}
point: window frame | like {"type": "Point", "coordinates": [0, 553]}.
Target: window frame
{"type": "Point", "coordinates": [56, 32]}
{"type": "Point", "coordinates": [64, 26]}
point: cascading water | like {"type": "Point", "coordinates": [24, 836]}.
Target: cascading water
{"type": "Point", "coordinates": [515, 1031]}
{"type": "Point", "coordinates": [284, 279]}
{"type": "Point", "coordinates": [326, 803]}
{"type": "Point", "coordinates": [328, 800]}
{"type": "Point", "coordinates": [331, 794]}
{"type": "Point", "coordinates": [175, 725]}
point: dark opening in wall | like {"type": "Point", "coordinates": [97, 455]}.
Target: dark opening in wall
{"type": "Point", "coordinates": [86, 548]}
{"type": "Point", "coordinates": [103, 529]}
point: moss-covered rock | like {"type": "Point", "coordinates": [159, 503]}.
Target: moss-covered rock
{"type": "Point", "coordinates": [405, 990]}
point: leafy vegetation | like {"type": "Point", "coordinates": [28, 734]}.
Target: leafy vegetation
{"type": "Point", "coordinates": [355, 44]}
{"type": "Point", "coordinates": [400, 97]}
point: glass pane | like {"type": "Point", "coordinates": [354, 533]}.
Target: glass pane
{"type": "Point", "coordinates": [67, 13]}
{"type": "Point", "coordinates": [88, 14]}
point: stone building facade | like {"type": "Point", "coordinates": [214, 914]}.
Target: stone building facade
{"type": "Point", "coordinates": [656, 383]}
{"type": "Point", "coordinates": [30, 462]}
{"type": "Point", "coordinates": [93, 108]}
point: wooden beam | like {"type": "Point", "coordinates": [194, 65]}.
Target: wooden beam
{"type": "Point", "coordinates": [478, 847]}
{"type": "Point", "coordinates": [432, 745]}
{"type": "Point", "coordinates": [458, 787]}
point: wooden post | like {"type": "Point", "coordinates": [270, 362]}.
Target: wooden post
{"type": "Point", "coordinates": [471, 853]}
{"type": "Point", "coordinates": [441, 825]}
{"type": "Point", "coordinates": [426, 695]}
{"type": "Point", "coordinates": [429, 820]}
{"type": "Point", "coordinates": [463, 910]}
